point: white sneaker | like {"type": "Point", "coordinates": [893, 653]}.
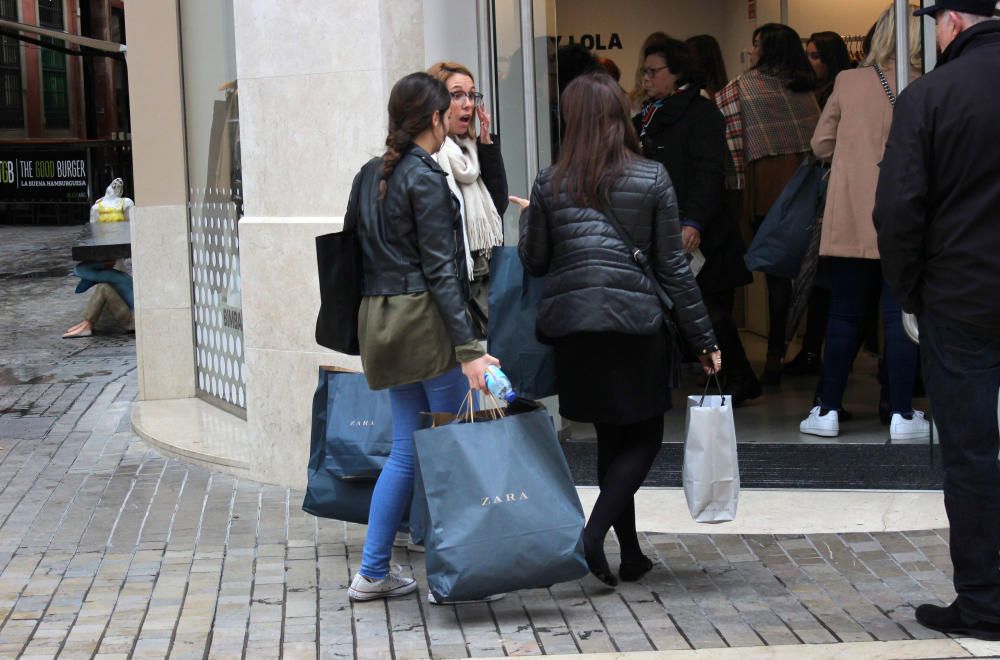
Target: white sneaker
{"type": "Point", "coordinates": [390, 586]}
{"type": "Point", "coordinates": [826, 426]}
{"type": "Point", "coordinates": [489, 599]}
{"type": "Point", "coordinates": [907, 429]}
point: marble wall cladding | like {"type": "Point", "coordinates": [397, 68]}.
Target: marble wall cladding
{"type": "Point", "coordinates": [304, 138]}
{"type": "Point", "coordinates": [280, 283]}
{"type": "Point", "coordinates": [161, 257]}
{"type": "Point", "coordinates": [296, 37]}
{"type": "Point", "coordinates": [280, 386]}
{"type": "Point", "coordinates": [162, 281]}
{"type": "Point", "coordinates": [165, 347]}
{"type": "Point", "coordinates": [402, 32]}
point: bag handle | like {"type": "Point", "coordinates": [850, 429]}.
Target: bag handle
{"type": "Point", "coordinates": [467, 413]}
{"type": "Point", "coordinates": [718, 385]}
{"type": "Point", "coordinates": [885, 85]}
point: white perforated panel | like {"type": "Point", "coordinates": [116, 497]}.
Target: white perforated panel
{"type": "Point", "coordinates": [217, 293]}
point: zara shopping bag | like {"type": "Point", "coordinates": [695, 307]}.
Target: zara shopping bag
{"type": "Point", "coordinates": [502, 511]}
{"type": "Point", "coordinates": [711, 473]}
{"type": "Point", "coordinates": [514, 299]}
{"type": "Point", "coordinates": [782, 239]}
{"type": "Point", "coordinates": [351, 439]}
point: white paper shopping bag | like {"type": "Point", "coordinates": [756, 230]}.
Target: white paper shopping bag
{"type": "Point", "coordinates": [711, 473]}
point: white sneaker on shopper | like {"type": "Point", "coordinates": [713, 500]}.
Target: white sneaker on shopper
{"type": "Point", "coordinates": [489, 599]}
{"type": "Point", "coordinates": [826, 426]}
{"type": "Point", "coordinates": [901, 428]}
{"type": "Point", "coordinates": [390, 586]}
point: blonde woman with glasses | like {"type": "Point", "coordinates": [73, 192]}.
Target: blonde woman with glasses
{"type": "Point", "coordinates": [473, 161]}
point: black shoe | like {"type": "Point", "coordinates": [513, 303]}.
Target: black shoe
{"type": "Point", "coordinates": [804, 364]}
{"type": "Point", "coordinates": [950, 620]}
{"type": "Point", "coordinates": [633, 569]}
{"type": "Point", "coordinates": [598, 565]}
{"type": "Point", "coordinates": [743, 390]}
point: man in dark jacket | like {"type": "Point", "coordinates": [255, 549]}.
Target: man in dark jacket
{"type": "Point", "coordinates": [937, 211]}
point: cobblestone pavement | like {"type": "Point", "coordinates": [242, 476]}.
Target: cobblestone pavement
{"type": "Point", "coordinates": [109, 548]}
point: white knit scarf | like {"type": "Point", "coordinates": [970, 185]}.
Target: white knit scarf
{"type": "Point", "coordinates": [483, 225]}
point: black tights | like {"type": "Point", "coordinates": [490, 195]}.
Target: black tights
{"type": "Point", "coordinates": [625, 452]}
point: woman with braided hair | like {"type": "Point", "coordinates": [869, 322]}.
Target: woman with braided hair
{"type": "Point", "coordinates": [415, 333]}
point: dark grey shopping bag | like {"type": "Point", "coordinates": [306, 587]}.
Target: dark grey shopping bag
{"type": "Point", "coordinates": [502, 511]}
{"type": "Point", "coordinates": [351, 439]}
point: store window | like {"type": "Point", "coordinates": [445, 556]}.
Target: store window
{"type": "Point", "coordinates": [55, 87]}
{"type": "Point", "coordinates": [215, 199]}
{"type": "Point", "coordinates": [11, 98]}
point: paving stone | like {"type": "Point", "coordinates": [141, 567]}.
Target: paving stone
{"type": "Point", "coordinates": [108, 549]}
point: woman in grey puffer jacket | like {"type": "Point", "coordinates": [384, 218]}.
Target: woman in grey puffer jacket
{"type": "Point", "coordinates": [601, 311]}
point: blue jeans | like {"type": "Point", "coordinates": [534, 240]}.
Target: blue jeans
{"type": "Point", "coordinates": [962, 376]}
{"type": "Point", "coordinates": [94, 272]}
{"type": "Point", "coordinates": [394, 488]}
{"type": "Point", "coordinates": [855, 285]}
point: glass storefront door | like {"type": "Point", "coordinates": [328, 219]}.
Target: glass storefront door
{"type": "Point", "coordinates": [527, 38]}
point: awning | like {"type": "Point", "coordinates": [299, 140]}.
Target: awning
{"type": "Point", "coordinates": [96, 44]}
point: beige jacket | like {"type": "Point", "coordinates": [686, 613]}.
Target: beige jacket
{"type": "Point", "coordinates": [853, 129]}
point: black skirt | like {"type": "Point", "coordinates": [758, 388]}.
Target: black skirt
{"type": "Point", "coordinates": [613, 378]}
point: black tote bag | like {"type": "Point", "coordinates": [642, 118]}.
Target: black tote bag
{"type": "Point", "coordinates": [338, 257]}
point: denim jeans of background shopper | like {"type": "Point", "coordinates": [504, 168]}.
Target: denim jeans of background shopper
{"type": "Point", "coordinates": [93, 272]}
{"type": "Point", "coordinates": [394, 488]}
{"type": "Point", "coordinates": [856, 284]}
{"type": "Point", "coordinates": [962, 374]}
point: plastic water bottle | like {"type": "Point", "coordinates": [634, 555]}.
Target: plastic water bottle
{"type": "Point", "coordinates": [499, 385]}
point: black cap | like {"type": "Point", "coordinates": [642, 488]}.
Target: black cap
{"type": "Point", "coordinates": [977, 7]}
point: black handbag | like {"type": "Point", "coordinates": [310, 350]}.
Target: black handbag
{"type": "Point", "coordinates": [338, 257]}
{"type": "Point", "coordinates": [673, 332]}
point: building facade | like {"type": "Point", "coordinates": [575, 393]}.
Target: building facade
{"type": "Point", "coordinates": [61, 102]}
{"type": "Point", "coordinates": [250, 119]}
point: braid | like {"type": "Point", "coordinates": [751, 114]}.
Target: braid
{"type": "Point", "coordinates": [395, 143]}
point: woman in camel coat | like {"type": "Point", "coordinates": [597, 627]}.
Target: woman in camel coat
{"type": "Point", "coordinates": [853, 130]}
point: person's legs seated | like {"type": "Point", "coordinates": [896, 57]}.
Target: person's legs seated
{"type": "Point", "coordinates": [961, 367]}
{"type": "Point", "coordinates": [92, 312]}
{"type": "Point", "coordinates": [854, 282]}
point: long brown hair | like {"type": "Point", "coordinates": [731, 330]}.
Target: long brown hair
{"type": "Point", "coordinates": [412, 103]}
{"type": "Point", "coordinates": [599, 139]}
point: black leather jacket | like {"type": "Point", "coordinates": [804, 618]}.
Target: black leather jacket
{"type": "Point", "coordinates": [592, 283]}
{"type": "Point", "coordinates": [411, 240]}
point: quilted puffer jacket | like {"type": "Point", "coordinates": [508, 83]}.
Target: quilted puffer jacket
{"type": "Point", "coordinates": [592, 283]}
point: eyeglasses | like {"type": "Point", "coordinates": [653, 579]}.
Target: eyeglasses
{"type": "Point", "coordinates": [475, 97]}
{"type": "Point", "coordinates": [649, 72]}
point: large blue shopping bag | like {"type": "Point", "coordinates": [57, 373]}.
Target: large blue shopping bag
{"type": "Point", "coordinates": [782, 239]}
{"type": "Point", "coordinates": [351, 439]}
{"type": "Point", "coordinates": [514, 298]}
{"type": "Point", "coordinates": [502, 512]}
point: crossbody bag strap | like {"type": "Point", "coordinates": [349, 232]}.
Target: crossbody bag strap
{"type": "Point", "coordinates": [885, 85]}
{"type": "Point", "coordinates": [638, 256]}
